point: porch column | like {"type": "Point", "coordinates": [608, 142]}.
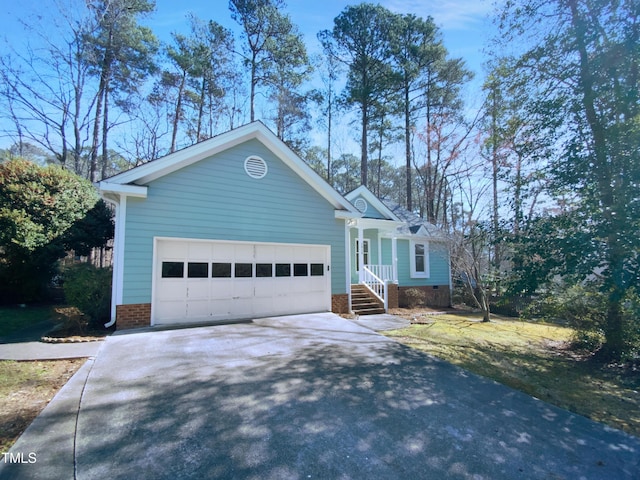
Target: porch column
{"type": "Point", "coordinates": [394, 258]}
{"type": "Point", "coordinates": [360, 253]}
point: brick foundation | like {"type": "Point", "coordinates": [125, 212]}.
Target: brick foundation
{"type": "Point", "coordinates": [436, 296]}
{"type": "Point", "coordinates": [392, 295]}
{"type": "Point", "coordinates": [133, 316]}
{"type": "Point", "coordinates": [340, 303]}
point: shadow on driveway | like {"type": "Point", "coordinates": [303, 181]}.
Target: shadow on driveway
{"type": "Point", "coordinates": [291, 399]}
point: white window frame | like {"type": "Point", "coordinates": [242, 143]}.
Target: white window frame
{"type": "Point", "coordinates": [366, 255]}
{"type": "Point", "coordinates": [412, 257]}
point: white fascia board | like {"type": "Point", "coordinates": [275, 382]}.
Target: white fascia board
{"type": "Point", "coordinates": [374, 201]}
{"type": "Point", "coordinates": [291, 159]}
{"type": "Point", "coordinates": [175, 161]}
{"type": "Point", "coordinates": [155, 169]}
{"type": "Point", "coordinates": [380, 224]}
{"type": "Point", "coordinates": [347, 214]}
{"type": "Point", "coordinates": [121, 189]}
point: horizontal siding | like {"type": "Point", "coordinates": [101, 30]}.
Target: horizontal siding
{"type": "Point", "coordinates": [215, 199]}
{"type": "Point", "coordinates": [438, 265]}
{"type": "Point", "coordinates": [438, 260]}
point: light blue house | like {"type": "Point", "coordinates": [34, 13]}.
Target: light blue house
{"type": "Point", "coordinates": [238, 226]}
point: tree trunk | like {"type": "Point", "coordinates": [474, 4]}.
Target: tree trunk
{"type": "Point", "coordinates": [176, 116]}
{"type": "Point", "coordinates": [105, 133]}
{"type": "Point", "coordinates": [407, 145]}
{"type": "Point", "coordinates": [364, 150]}
{"type": "Point", "coordinates": [614, 284]}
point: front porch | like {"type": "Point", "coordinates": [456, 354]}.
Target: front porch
{"type": "Point", "coordinates": [376, 292]}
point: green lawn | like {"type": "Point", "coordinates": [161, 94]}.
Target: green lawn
{"type": "Point", "coordinates": [533, 358]}
{"type": "Point", "coordinates": [15, 318]}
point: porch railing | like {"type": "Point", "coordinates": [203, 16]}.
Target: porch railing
{"type": "Point", "coordinates": [384, 272]}
{"type": "Point", "coordinates": [376, 284]}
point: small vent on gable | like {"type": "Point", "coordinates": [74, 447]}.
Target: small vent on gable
{"type": "Point", "coordinates": [255, 167]}
{"type": "Point", "coordinates": [361, 205]}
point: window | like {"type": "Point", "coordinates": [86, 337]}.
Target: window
{"type": "Point", "coordinates": [300, 269]}
{"type": "Point", "coordinates": [365, 254]}
{"type": "Point", "coordinates": [221, 270]}
{"type": "Point", "coordinates": [317, 269]}
{"type": "Point", "coordinates": [419, 259]}
{"type": "Point", "coordinates": [198, 270]}
{"type": "Point", "coordinates": [172, 269]}
{"type": "Point", "coordinates": [264, 270]}
{"type": "Point", "coordinates": [283, 269]}
{"type": "Point", "coordinates": [244, 270]}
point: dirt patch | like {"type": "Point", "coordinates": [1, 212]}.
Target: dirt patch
{"type": "Point", "coordinates": [25, 389]}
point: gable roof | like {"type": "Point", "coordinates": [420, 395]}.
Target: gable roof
{"type": "Point", "coordinates": [134, 181]}
{"type": "Point", "coordinates": [374, 201]}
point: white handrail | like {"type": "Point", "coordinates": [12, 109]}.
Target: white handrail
{"type": "Point", "coordinates": [377, 285]}
{"type": "Point", "coordinates": [383, 272]}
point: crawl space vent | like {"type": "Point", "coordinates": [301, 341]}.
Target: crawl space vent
{"type": "Point", "coordinates": [255, 167]}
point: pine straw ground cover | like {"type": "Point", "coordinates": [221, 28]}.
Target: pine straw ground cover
{"type": "Point", "coordinates": [532, 357]}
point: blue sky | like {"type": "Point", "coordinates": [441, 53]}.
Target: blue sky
{"type": "Point", "coordinates": [466, 25]}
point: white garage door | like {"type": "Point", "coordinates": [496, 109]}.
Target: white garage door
{"type": "Point", "coordinates": [210, 280]}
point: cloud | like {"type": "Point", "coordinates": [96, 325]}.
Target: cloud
{"type": "Point", "coordinates": [448, 14]}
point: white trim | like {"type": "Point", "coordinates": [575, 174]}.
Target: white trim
{"type": "Point", "coordinates": [156, 240]}
{"type": "Point", "coordinates": [150, 171]}
{"type": "Point", "coordinates": [129, 190]}
{"type": "Point", "coordinates": [242, 242]}
{"type": "Point", "coordinates": [394, 257]}
{"type": "Point", "coordinates": [347, 255]}
{"type": "Point", "coordinates": [374, 201]}
{"type": "Point", "coordinates": [367, 242]}
{"type": "Point", "coordinates": [412, 259]}
{"type": "Point", "coordinates": [117, 284]}
{"type": "Point", "coordinates": [343, 214]}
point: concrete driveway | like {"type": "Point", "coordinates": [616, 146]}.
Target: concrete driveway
{"type": "Point", "coordinates": [310, 396]}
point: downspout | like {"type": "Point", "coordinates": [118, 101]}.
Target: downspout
{"type": "Point", "coordinates": [116, 258]}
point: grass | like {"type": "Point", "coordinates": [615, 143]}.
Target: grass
{"type": "Point", "coordinates": [15, 318]}
{"type": "Point", "coordinates": [533, 358]}
{"type": "Point", "coordinates": [25, 389]}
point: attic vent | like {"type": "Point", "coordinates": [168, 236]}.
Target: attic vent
{"type": "Point", "coordinates": [255, 167]}
{"type": "Point", "coordinates": [361, 205]}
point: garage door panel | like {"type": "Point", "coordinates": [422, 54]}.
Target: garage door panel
{"type": "Point", "coordinates": [244, 253]}
{"type": "Point", "coordinates": [199, 251]}
{"type": "Point", "coordinates": [226, 280]}
{"type": "Point", "coordinates": [222, 252]}
{"type": "Point", "coordinates": [172, 290]}
{"type": "Point", "coordinates": [221, 289]}
{"type": "Point", "coordinates": [198, 308]}
{"type": "Point", "coordinates": [173, 309]}
{"type": "Point", "coordinates": [242, 289]}
{"type": "Point", "coordinates": [198, 290]}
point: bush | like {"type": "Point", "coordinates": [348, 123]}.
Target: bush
{"type": "Point", "coordinates": [89, 289]}
{"type": "Point", "coordinates": [415, 297]}
{"type": "Point", "coordinates": [583, 307]}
